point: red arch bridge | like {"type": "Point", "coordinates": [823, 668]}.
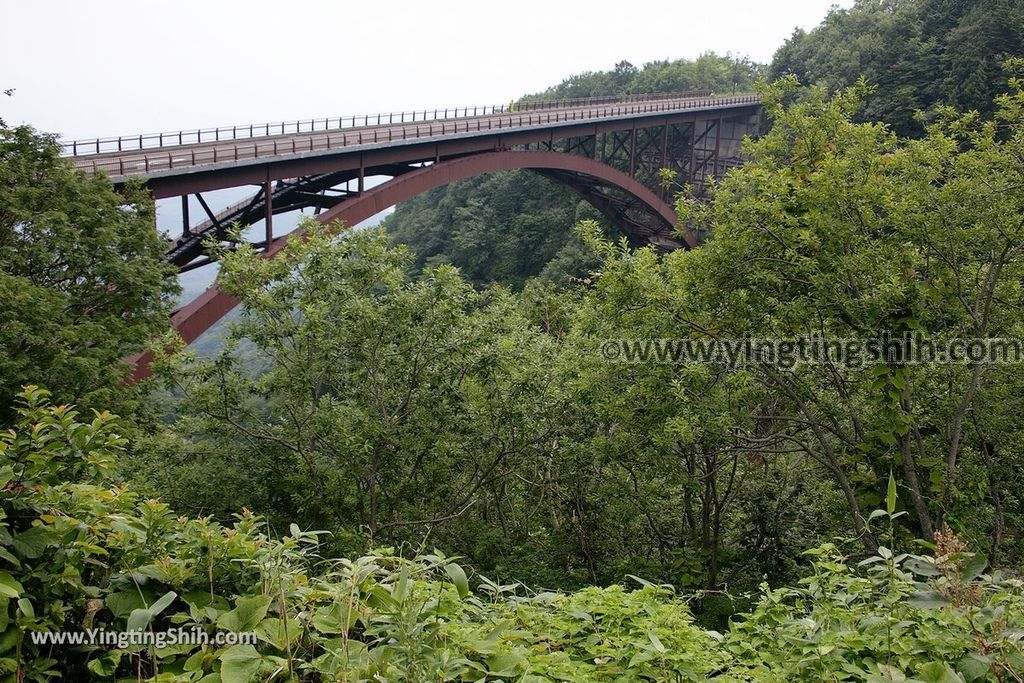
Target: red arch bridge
{"type": "Point", "coordinates": [609, 150]}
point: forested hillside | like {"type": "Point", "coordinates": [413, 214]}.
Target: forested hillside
{"type": "Point", "coordinates": [919, 54]}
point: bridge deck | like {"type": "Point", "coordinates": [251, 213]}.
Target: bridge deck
{"type": "Point", "coordinates": [172, 159]}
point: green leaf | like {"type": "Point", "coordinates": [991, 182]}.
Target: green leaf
{"type": "Point", "coordinates": [458, 577]}
{"type": "Point", "coordinates": [122, 603]}
{"type": "Point", "coordinates": [336, 618]}
{"type": "Point", "coordinates": [9, 638]}
{"type": "Point", "coordinates": [25, 607]}
{"type": "Point", "coordinates": [139, 619]}
{"type": "Point", "coordinates": [875, 514]}
{"type": "Point", "coordinates": [928, 600]}
{"type": "Point", "coordinates": [975, 666]}
{"type": "Point", "coordinates": [6, 475]}
{"type": "Point", "coordinates": [938, 672]}
{"type": "Point", "coordinates": [272, 631]}
{"type": "Point", "coordinates": [6, 555]}
{"type": "Point", "coordinates": [248, 612]}
{"type": "Point", "coordinates": [9, 586]}
{"type": "Point", "coordinates": [505, 664]}
{"type": "Point", "coordinates": [161, 604]}
{"type": "Point", "coordinates": [922, 567]}
{"type": "Point", "coordinates": [975, 567]}
{"type": "Point", "coordinates": [656, 642]}
{"type": "Point", "coordinates": [32, 542]}
{"type": "Point", "coordinates": [105, 666]}
{"type": "Point", "coordinates": [890, 495]}
{"type": "Point", "coordinates": [240, 664]}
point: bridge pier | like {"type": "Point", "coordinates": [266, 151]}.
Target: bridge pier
{"type": "Point", "coordinates": [186, 225]}
{"type": "Point", "coordinates": [268, 215]}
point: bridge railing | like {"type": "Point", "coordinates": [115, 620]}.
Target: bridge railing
{"type": "Point", "coordinates": [261, 130]}
{"type": "Point", "coordinates": [145, 161]}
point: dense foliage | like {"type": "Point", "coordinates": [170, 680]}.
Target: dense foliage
{"type": "Point", "coordinates": [82, 276]}
{"type": "Point", "coordinates": [502, 227]}
{"type": "Point", "coordinates": [477, 376]}
{"type": "Point", "coordinates": [393, 407]}
{"type": "Point", "coordinates": [921, 53]}
{"type": "Point", "coordinates": [83, 553]}
{"type": "Point", "coordinates": [708, 71]}
{"type": "Point", "coordinates": [842, 231]}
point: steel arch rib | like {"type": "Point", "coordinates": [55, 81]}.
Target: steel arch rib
{"type": "Point", "coordinates": [200, 314]}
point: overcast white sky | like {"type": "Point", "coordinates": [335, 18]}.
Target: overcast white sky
{"type": "Point", "coordinates": [92, 68]}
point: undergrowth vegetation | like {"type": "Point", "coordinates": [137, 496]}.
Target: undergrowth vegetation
{"type": "Point", "coordinates": [86, 554]}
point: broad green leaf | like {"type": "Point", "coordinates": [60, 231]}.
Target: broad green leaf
{"type": "Point", "coordinates": [505, 664]}
{"type": "Point", "coordinates": [975, 567]}
{"type": "Point", "coordinates": [928, 599]}
{"type": "Point", "coordinates": [139, 619]}
{"type": "Point", "coordinates": [122, 603]}
{"type": "Point", "coordinates": [335, 618]}
{"type": "Point", "coordinates": [161, 604]}
{"type": "Point", "coordinates": [6, 555]}
{"type": "Point", "coordinates": [32, 542]}
{"type": "Point", "coordinates": [656, 642]}
{"type": "Point", "coordinates": [938, 672]}
{"type": "Point", "coordinates": [248, 612]}
{"type": "Point", "coordinates": [9, 638]}
{"type": "Point", "coordinates": [458, 577]}
{"type": "Point", "coordinates": [975, 666]}
{"type": "Point", "coordinates": [240, 664]}
{"type": "Point", "coordinates": [272, 631]}
{"type": "Point", "coordinates": [105, 666]}
{"type": "Point", "coordinates": [922, 567]}
{"type": "Point", "coordinates": [9, 586]}
{"type": "Point", "coordinates": [6, 474]}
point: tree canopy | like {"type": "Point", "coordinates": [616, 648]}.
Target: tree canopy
{"type": "Point", "coordinates": [920, 53]}
{"type": "Point", "coordinates": [82, 275]}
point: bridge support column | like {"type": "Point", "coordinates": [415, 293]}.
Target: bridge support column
{"type": "Point", "coordinates": [664, 158]}
{"type": "Point", "coordinates": [268, 196]}
{"type": "Point", "coordinates": [718, 144]}
{"type": "Point", "coordinates": [632, 151]}
{"type": "Point", "coordinates": [693, 153]}
{"type": "Point", "coordinates": [186, 227]}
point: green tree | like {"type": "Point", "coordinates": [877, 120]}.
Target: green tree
{"type": "Point", "coordinates": [921, 53]}
{"type": "Point", "coordinates": [82, 275]}
{"type": "Point", "coordinates": [501, 227]}
{"type": "Point", "coordinates": [404, 404]}
{"type": "Point", "coordinates": [842, 231]}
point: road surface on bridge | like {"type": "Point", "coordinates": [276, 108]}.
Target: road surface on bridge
{"type": "Point", "coordinates": [160, 155]}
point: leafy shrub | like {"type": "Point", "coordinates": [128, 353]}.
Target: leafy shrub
{"type": "Point", "coordinates": [890, 617]}
{"type": "Point", "coordinates": [83, 553]}
{"type": "Point", "coordinates": [80, 552]}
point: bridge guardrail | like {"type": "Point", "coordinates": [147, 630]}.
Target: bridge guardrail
{"type": "Point", "coordinates": [168, 156]}
{"type": "Point", "coordinates": [143, 141]}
